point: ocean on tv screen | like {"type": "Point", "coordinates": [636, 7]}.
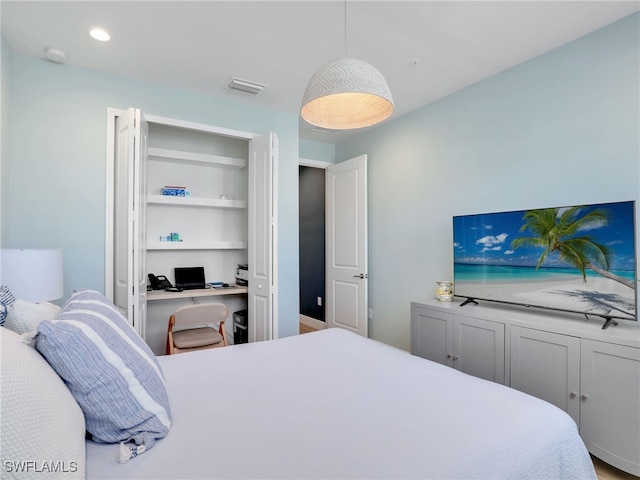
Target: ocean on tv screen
{"type": "Point", "coordinates": [578, 259]}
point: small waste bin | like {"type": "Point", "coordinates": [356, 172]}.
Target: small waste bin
{"type": "Point", "coordinates": [240, 330]}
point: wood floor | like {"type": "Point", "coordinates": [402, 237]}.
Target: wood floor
{"type": "Point", "coordinates": [306, 328]}
{"type": "Point", "coordinates": [607, 472]}
{"type": "Point", "coordinates": [603, 470]}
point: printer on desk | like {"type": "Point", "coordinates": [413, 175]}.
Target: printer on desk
{"type": "Point", "coordinates": [242, 275]}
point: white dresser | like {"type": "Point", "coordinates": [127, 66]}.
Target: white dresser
{"type": "Point", "coordinates": [565, 359]}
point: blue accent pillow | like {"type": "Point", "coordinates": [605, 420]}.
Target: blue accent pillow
{"type": "Point", "coordinates": [6, 300]}
{"type": "Point", "coordinates": [110, 370]}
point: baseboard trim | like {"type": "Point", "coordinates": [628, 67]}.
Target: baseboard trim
{"type": "Point", "coordinates": [312, 322]}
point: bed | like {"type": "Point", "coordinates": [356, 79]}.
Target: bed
{"type": "Point", "coordinates": [331, 404]}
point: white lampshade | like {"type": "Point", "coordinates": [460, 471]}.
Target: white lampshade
{"type": "Point", "coordinates": [346, 94]}
{"type": "Point", "coordinates": [34, 275]}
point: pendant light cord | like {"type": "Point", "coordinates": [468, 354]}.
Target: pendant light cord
{"type": "Point", "coordinates": [345, 28]}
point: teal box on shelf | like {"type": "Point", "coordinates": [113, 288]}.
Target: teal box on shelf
{"type": "Point", "coordinates": [175, 191]}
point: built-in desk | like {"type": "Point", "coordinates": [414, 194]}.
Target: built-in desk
{"type": "Point", "coordinates": [161, 304]}
{"type": "Point", "coordinates": [198, 292]}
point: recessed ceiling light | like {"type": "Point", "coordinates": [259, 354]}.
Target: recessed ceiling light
{"type": "Point", "coordinates": [100, 34]}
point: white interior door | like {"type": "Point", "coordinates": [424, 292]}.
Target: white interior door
{"type": "Point", "coordinates": [129, 217]}
{"type": "Point", "coordinates": [262, 229]}
{"type": "Point", "coordinates": [346, 270]}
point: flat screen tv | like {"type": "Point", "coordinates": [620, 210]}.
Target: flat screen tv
{"type": "Point", "coordinates": [577, 259]}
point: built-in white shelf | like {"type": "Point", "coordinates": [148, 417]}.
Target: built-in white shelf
{"type": "Point", "coordinates": [195, 202]}
{"type": "Point", "coordinates": [154, 153]}
{"type": "Point", "coordinates": [157, 245]}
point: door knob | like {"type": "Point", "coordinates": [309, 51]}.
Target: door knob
{"type": "Point", "coordinates": [362, 275]}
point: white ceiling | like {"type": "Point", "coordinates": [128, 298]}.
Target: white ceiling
{"type": "Point", "coordinates": [199, 46]}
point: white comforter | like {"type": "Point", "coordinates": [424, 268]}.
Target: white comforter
{"type": "Point", "coordinates": [332, 404]}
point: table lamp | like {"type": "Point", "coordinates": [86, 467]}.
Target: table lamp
{"type": "Point", "coordinates": [33, 275]}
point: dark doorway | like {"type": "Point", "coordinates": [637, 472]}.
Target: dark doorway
{"type": "Point", "coordinates": [312, 241]}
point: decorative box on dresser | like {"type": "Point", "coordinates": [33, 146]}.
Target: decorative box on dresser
{"type": "Point", "coordinates": [565, 359]}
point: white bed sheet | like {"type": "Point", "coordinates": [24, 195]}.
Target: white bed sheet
{"type": "Point", "coordinates": [332, 404]}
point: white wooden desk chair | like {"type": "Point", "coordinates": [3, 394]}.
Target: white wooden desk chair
{"type": "Point", "coordinates": [190, 328]}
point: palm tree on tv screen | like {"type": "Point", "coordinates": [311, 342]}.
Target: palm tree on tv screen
{"type": "Point", "coordinates": [557, 232]}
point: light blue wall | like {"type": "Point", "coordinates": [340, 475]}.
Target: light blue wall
{"type": "Point", "coordinates": [560, 129]}
{"type": "Point", "coordinates": [56, 186]}
{"type": "Point", "coordinates": [325, 152]}
{"type": "Point", "coordinates": [4, 133]}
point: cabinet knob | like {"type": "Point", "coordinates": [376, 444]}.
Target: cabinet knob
{"type": "Point", "coordinates": [573, 394]}
{"type": "Point", "coordinates": [449, 355]}
{"type": "Point", "coordinates": [455, 358]}
{"type": "Point", "coordinates": [584, 396]}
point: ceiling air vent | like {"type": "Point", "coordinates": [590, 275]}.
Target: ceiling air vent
{"type": "Point", "coordinates": [326, 131]}
{"type": "Point", "coordinates": [246, 86]}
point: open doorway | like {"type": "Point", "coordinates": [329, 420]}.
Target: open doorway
{"type": "Point", "coordinates": [336, 289]}
{"type": "Point", "coordinates": [312, 245]}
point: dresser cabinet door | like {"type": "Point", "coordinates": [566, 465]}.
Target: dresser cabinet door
{"type": "Point", "coordinates": [610, 403]}
{"type": "Point", "coordinates": [547, 365]}
{"type": "Point", "coordinates": [432, 335]}
{"type": "Point", "coordinates": [478, 348]}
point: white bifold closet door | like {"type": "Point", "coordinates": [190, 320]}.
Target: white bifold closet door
{"type": "Point", "coordinates": [130, 281]}
{"type": "Point", "coordinates": [262, 305]}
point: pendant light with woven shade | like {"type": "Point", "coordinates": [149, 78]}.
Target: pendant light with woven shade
{"type": "Point", "coordinates": [346, 94]}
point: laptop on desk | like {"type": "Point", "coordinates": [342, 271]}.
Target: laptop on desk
{"type": "Point", "coordinates": [189, 278]}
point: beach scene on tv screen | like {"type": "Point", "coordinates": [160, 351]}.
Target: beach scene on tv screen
{"type": "Point", "coordinates": [578, 259]}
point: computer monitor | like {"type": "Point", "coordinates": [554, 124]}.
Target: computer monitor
{"type": "Point", "coordinates": [189, 278]}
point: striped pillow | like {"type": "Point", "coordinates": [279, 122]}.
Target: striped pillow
{"type": "Point", "coordinates": [110, 370]}
{"type": "Point", "coordinates": [6, 300]}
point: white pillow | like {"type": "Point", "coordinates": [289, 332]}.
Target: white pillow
{"type": "Point", "coordinates": [24, 317]}
{"type": "Point", "coordinates": [43, 430]}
